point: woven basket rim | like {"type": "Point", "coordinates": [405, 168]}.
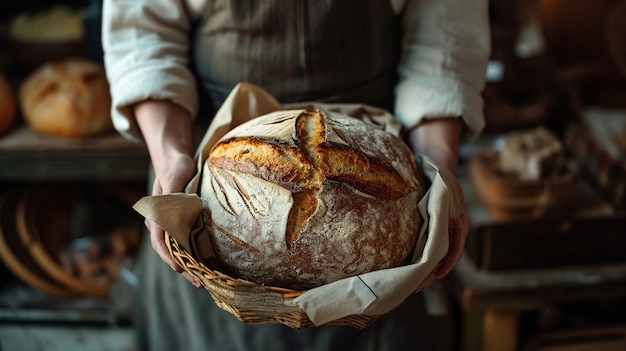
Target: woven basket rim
{"type": "Point", "coordinates": [221, 285]}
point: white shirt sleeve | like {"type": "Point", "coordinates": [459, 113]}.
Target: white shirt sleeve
{"type": "Point", "coordinates": [445, 51]}
{"type": "Point", "coordinates": [146, 47]}
{"type": "Point", "coordinates": [442, 69]}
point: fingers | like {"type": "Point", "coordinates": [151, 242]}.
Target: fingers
{"type": "Point", "coordinates": [171, 180]}
{"type": "Point", "coordinates": [191, 279]}
{"type": "Point", "coordinates": [157, 239]}
{"type": "Point", "coordinates": [157, 236]}
{"type": "Point", "coordinates": [459, 228]}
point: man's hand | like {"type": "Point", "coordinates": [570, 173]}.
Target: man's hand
{"type": "Point", "coordinates": [166, 129]}
{"type": "Point", "coordinates": [439, 139]}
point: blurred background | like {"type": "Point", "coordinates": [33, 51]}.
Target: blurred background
{"type": "Point", "coordinates": [545, 263]}
{"type": "Point", "coordinates": [68, 234]}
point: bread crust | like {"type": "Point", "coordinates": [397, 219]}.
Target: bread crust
{"type": "Point", "coordinates": [302, 198]}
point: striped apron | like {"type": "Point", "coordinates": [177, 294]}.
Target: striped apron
{"type": "Point", "coordinates": [300, 50]}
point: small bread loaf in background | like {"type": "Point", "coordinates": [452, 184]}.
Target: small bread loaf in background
{"type": "Point", "coordinates": [68, 98]}
{"type": "Point", "coordinates": [299, 199]}
{"type": "Point", "coordinates": [532, 154]}
{"type": "Point", "coordinates": [7, 104]}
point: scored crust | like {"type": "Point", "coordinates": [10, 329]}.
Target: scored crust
{"type": "Point", "coordinates": [327, 169]}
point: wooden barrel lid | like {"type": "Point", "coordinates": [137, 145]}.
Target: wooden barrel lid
{"type": "Point", "coordinates": [43, 224]}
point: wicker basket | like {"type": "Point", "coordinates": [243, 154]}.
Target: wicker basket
{"type": "Point", "coordinates": [510, 198]}
{"type": "Point", "coordinates": [252, 303]}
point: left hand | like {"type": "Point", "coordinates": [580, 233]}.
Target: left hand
{"type": "Point", "coordinates": [439, 139]}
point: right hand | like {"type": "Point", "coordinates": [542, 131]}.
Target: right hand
{"type": "Point", "coordinates": [166, 129]}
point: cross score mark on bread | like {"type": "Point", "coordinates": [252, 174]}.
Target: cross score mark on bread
{"type": "Point", "coordinates": [298, 199]}
{"type": "Point", "coordinates": [303, 170]}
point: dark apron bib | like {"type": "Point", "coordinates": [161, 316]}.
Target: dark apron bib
{"type": "Point", "coordinates": [297, 52]}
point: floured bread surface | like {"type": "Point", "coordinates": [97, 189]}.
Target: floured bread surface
{"type": "Point", "coordinates": [299, 199]}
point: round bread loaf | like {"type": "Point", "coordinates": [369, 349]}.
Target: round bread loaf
{"type": "Point", "coordinates": [68, 98]}
{"type": "Point", "coordinates": [299, 199]}
{"type": "Point", "coordinates": [7, 104]}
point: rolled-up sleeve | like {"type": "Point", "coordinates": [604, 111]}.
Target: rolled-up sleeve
{"type": "Point", "coordinates": [445, 51]}
{"type": "Point", "coordinates": [146, 48]}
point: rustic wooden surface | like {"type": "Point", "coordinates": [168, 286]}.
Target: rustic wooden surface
{"type": "Point", "coordinates": [26, 155]}
{"type": "Point", "coordinates": [492, 302]}
{"type": "Point", "coordinates": [531, 289]}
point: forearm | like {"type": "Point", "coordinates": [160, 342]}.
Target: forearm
{"type": "Point", "coordinates": [438, 139]}
{"type": "Point", "coordinates": [166, 129]}
{"type": "Point", "coordinates": [146, 50]}
{"type": "Point", "coordinates": [445, 51]}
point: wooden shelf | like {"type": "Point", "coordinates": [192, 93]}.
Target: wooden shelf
{"type": "Point", "coordinates": [513, 267]}
{"type": "Point", "coordinates": [28, 156]}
